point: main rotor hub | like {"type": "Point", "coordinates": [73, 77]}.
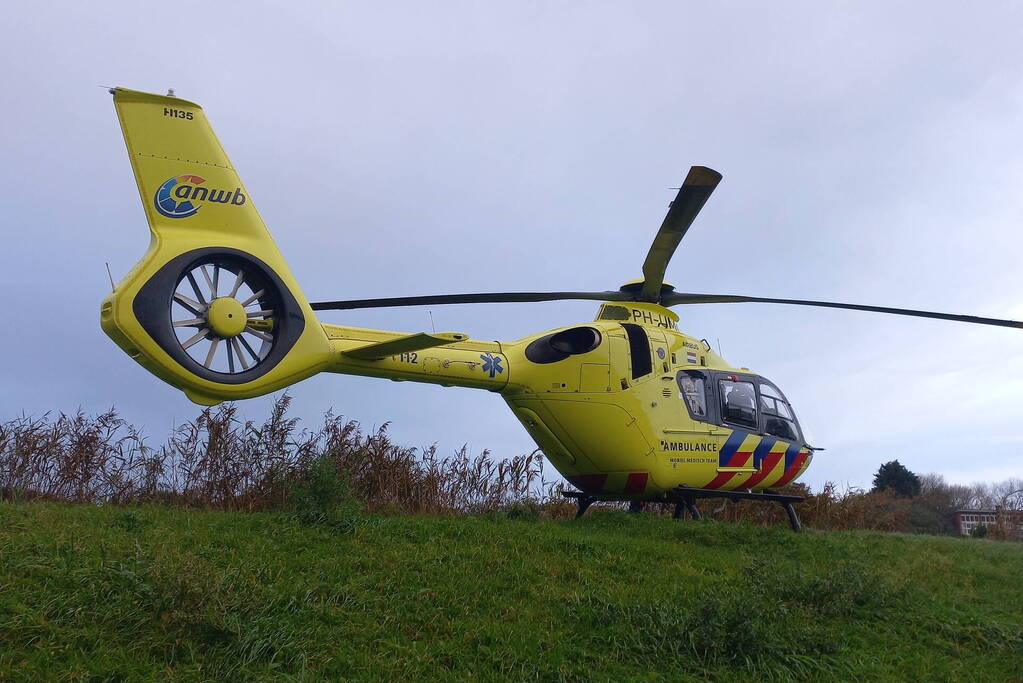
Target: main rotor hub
{"type": "Point", "coordinates": [636, 285]}
{"type": "Point", "coordinates": [226, 316]}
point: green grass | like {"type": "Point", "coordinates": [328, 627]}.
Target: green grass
{"type": "Point", "coordinates": [102, 593]}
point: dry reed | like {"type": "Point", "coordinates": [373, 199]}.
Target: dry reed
{"type": "Point", "coordinates": [218, 461]}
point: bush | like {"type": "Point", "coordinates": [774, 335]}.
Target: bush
{"type": "Point", "coordinates": [321, 496]}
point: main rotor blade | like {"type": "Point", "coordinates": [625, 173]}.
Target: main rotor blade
{"type": "Point", "coordinates": [442, 299]}
{"type": "Point", "coordinates": [691, 197]}
{"type": "Point", "coordinates": [680, 298]}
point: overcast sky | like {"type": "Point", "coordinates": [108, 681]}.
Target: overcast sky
{"type": "Point", "coordinates": [871, 153]}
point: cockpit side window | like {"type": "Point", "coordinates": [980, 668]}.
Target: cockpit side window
{"type": "Point", "coordinates": [738, 402]}
{"type": "Point", "coordinates": [693, 390]}
{"type": "Point", "coordinates": [779, 420]}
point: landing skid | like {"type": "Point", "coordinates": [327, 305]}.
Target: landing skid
{"type": "Point", "coordinates": [684, 500]}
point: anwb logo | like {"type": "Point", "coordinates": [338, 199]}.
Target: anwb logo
{"type": "Point", "coordinates": [182, 196]}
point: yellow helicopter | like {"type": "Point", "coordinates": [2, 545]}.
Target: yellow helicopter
{"type": "Point", "coordinates": [626, 407]}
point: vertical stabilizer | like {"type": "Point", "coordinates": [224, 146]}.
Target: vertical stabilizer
{"type": "Point", "coordinates": [212, 306]}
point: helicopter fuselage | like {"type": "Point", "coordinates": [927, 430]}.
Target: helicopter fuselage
{"type": "Point", "coordinates": [626, 404]}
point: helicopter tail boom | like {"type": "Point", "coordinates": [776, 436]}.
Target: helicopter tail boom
{"type": "Point", "coordinates": [450, 359]}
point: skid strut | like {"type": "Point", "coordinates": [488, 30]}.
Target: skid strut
{"type": "Point", "coordinates": [793, 517]}
{"type": "Point", "coordinates": [684, 499]}
{"type": "Point", "coordinates": [584, 502]}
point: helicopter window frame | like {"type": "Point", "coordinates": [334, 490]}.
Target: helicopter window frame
{"type": "Point", "coordinates": [716, 410]}
{"type": "Point", "coordinates": [774, 406]}
{"type": "Point", "coordinates": [753, 423]}
{"type": "Point", "coordinates": [701, 391]}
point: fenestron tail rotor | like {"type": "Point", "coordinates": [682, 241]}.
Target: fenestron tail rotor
{"type": "Point", "coordinates": [223, 315]}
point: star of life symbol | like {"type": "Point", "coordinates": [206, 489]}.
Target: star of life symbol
{"type": "Point", "coordinates": [491, 364]}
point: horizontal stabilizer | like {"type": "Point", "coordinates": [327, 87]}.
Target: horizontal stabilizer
{"type": "Point", "coordinates": [411, 342]}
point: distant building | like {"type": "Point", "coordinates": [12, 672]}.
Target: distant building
{"type": "Point", "coordinates": [1011, 520]}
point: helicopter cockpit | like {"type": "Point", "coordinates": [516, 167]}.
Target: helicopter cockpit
{"type": "Point", "coordinates": [745, 401]}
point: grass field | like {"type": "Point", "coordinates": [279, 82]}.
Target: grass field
{"type": "Point", "coordinates": [152, 592]}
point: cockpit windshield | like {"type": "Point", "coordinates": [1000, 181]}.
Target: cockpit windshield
{"type": "Point", "coordinates": [738, 400]}
{"type": "Point", "coordinates": [779, 420]}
